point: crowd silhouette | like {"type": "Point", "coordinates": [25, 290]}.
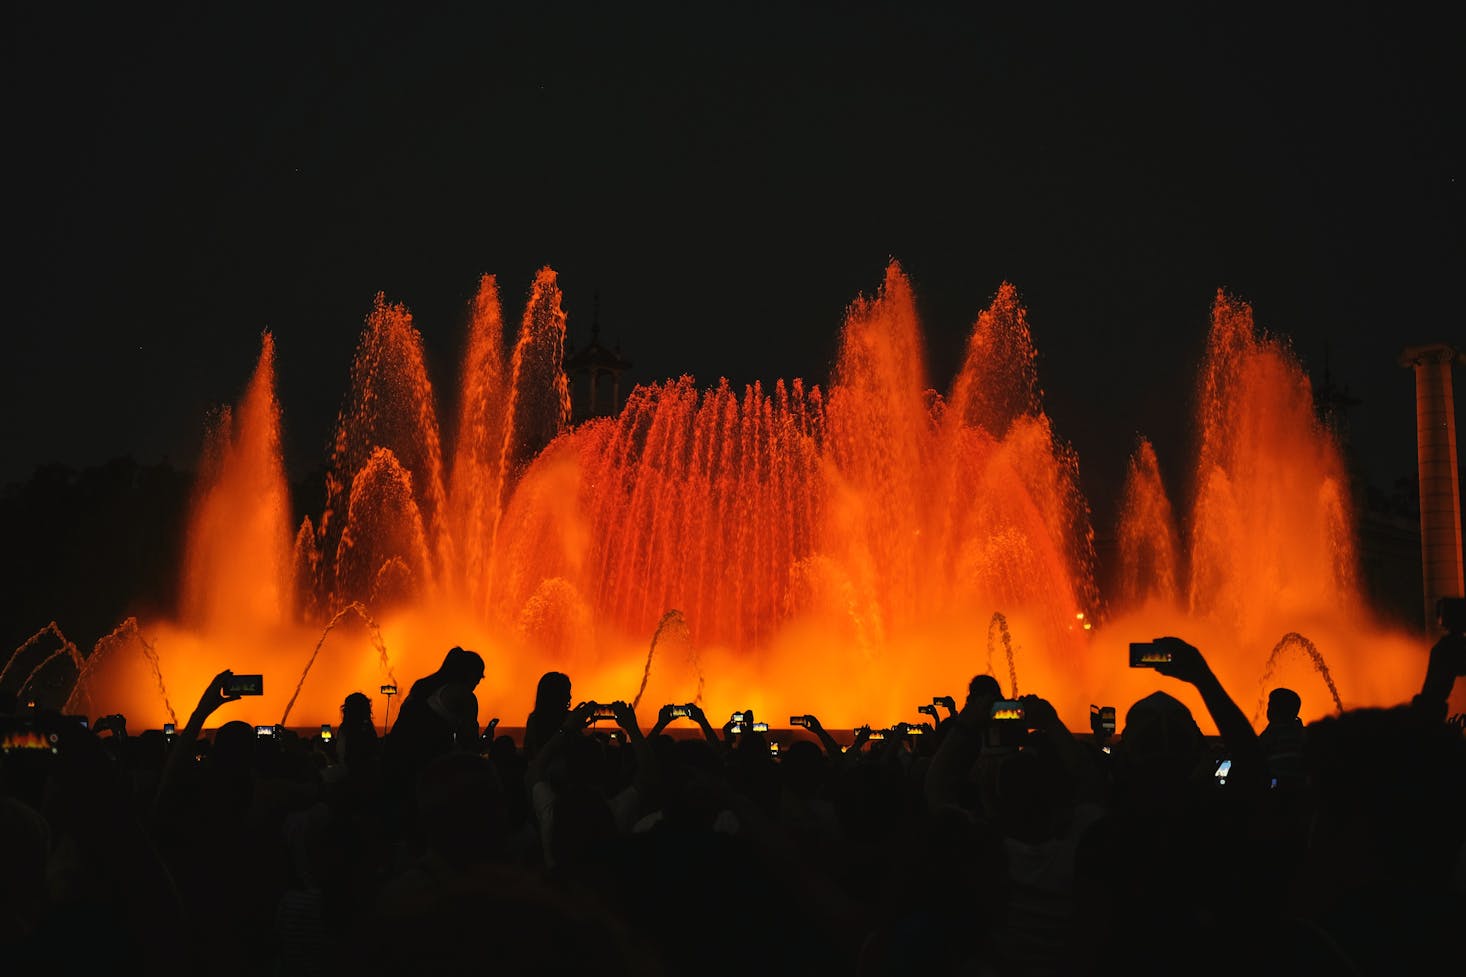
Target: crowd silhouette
{"type": "Point", "coordinates": [992, 840]}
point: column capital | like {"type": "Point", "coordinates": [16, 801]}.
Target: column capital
{"type": "Point", "coordinates": [1430, 353]}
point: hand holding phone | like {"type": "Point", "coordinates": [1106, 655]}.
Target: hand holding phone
{"type": "Point", "coordinates": [240, 685]}
{"type": "Point", "coordinates": [1006, 709]}
{"type": "Point", "coordinates": [1148, 654]}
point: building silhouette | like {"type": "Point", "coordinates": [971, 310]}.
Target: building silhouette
{"type": "Point", "coordinates": [594, 374]}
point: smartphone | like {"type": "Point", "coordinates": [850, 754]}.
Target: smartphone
{"type": "Point", "coordinates": [930, 710]}
{"type": "Point", "coordinates": [264, 732]}
{"type": "Point", "coordinates": [1224, 770]}
{"type": "Point", "coordinates": [737, 717]}
{"type": "Point", "coordinates": [603, 712]}
{"type": "Point", "coordinates": [326, 733]}
{"type": "Point", "coordinates": [169, 729]}
{"type": "Point", "coordinates": [1006, 709]}
{"type": "Point", "coordinates": [736, 728]}
{"type": "Point", "coordinates": [1007, 728]}
{"type": "Point", "coordinates": [799, 721]}
{"type": "Point", "coordinates": [679, 712]}
{"type": "Point", "coordinates": [760, 727]}
{"type": "Point", "coordinates": [1101, 720]}
{"type": "Point", "coordinates": [945, 700]}
{"type": "Point", "coordinates": [1147, 654]}
{"type": "Point", "coordinates": [245, 685]}
{"type": "Point", "coordinates": [878, 734]}
{"type": "Point", "coordinates": [917, 730]}
{"type": "Point", "coordinates": [389, 689]}
{"type": "Point", "coordinates": [774, 748]}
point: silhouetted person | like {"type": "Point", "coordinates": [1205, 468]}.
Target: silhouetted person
{"type": "Point", "coordinates": [984, 687]}
{"type": "Point", "coordinates": [1281, 740]}
{"type": "Point", "coordinates": [356, 719]}
{"type": "Point", "coordinates": [1166, 872]}
{"type": "Point", "coordinates": [354, 775]}
{"type": "Point", "coordinates": [459, 665]}
{"type": "Point", "coordinates": [551, 706]}
{"type": "Point", "coordinates": [434, 717]}
{"type": "Point", "coordinates": [1380, 891]}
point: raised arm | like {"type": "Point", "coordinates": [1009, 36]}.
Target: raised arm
{"type": "Point", "coordinates": [959, 749]}
{"type": "Point", "coordinates": [1188, 665]}
{"type": "Point", "coordinates": [832, 749]}
{"type": "Point", "coordinates": [214, 696]}
{"type": "Point", "coordinates": [1042, 716]}
{"type": "Point", "coordinates": [664, 719]}
{"type": "Point", "coordinates": [545, 757]}
{"type": "Point", "coordinates": [648, 782]}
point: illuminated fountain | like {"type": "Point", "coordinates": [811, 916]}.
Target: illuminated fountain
{"type": "Point", "coordinates": [850, 550]}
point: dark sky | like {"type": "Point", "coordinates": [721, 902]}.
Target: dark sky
{"type": "Point", "coordinates": [727, 177]}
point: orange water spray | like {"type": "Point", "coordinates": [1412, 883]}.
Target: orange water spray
{"type": "Point", "coordinates": [840, 550]}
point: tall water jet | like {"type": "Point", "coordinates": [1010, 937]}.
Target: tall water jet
{"type": "Point", "coordinates": [1018, 529]}
{"type": "Point", "coordinates": [305, 571]}
{"type": "Point", "coordinates": [1149, 545]}
{"type": "Point", "coordinates": [1271, 530]}
{"type": "Point", "coordinates": [878, 432]}
{"type": "Point", "coordinates": [390, 405]}
{"type": "Point", "coordinates": [383, 550]}
{"type": "Point", "coordinates": [476, 486]}
{"type": "Point", "coordinates": [539, 405]}
{"type": "Point", "coordinates": [237, 565]}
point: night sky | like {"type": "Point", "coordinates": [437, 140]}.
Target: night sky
{"type": "Point", "coordinates": [726, 178]}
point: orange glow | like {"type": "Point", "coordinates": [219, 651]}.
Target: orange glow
{"type": "Point", "coordinates": [849, 551]}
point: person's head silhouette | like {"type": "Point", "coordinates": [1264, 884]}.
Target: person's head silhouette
{"type": "Point", "coordinates": [1283, 705]}
{"type": "Point", "coordinates": [356, 709]}
{"type": "Point", "coordinates": [463, 667]}
{"type": "Point", "coordinates": [984, 687]}
{"type": "Point", "coordinates": [553, 693]}
{"type": "Point", "coordinates": [1161, 745]}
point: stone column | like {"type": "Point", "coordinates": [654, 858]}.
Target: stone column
{"type": "Point", "coordinates": [1440, 490]}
